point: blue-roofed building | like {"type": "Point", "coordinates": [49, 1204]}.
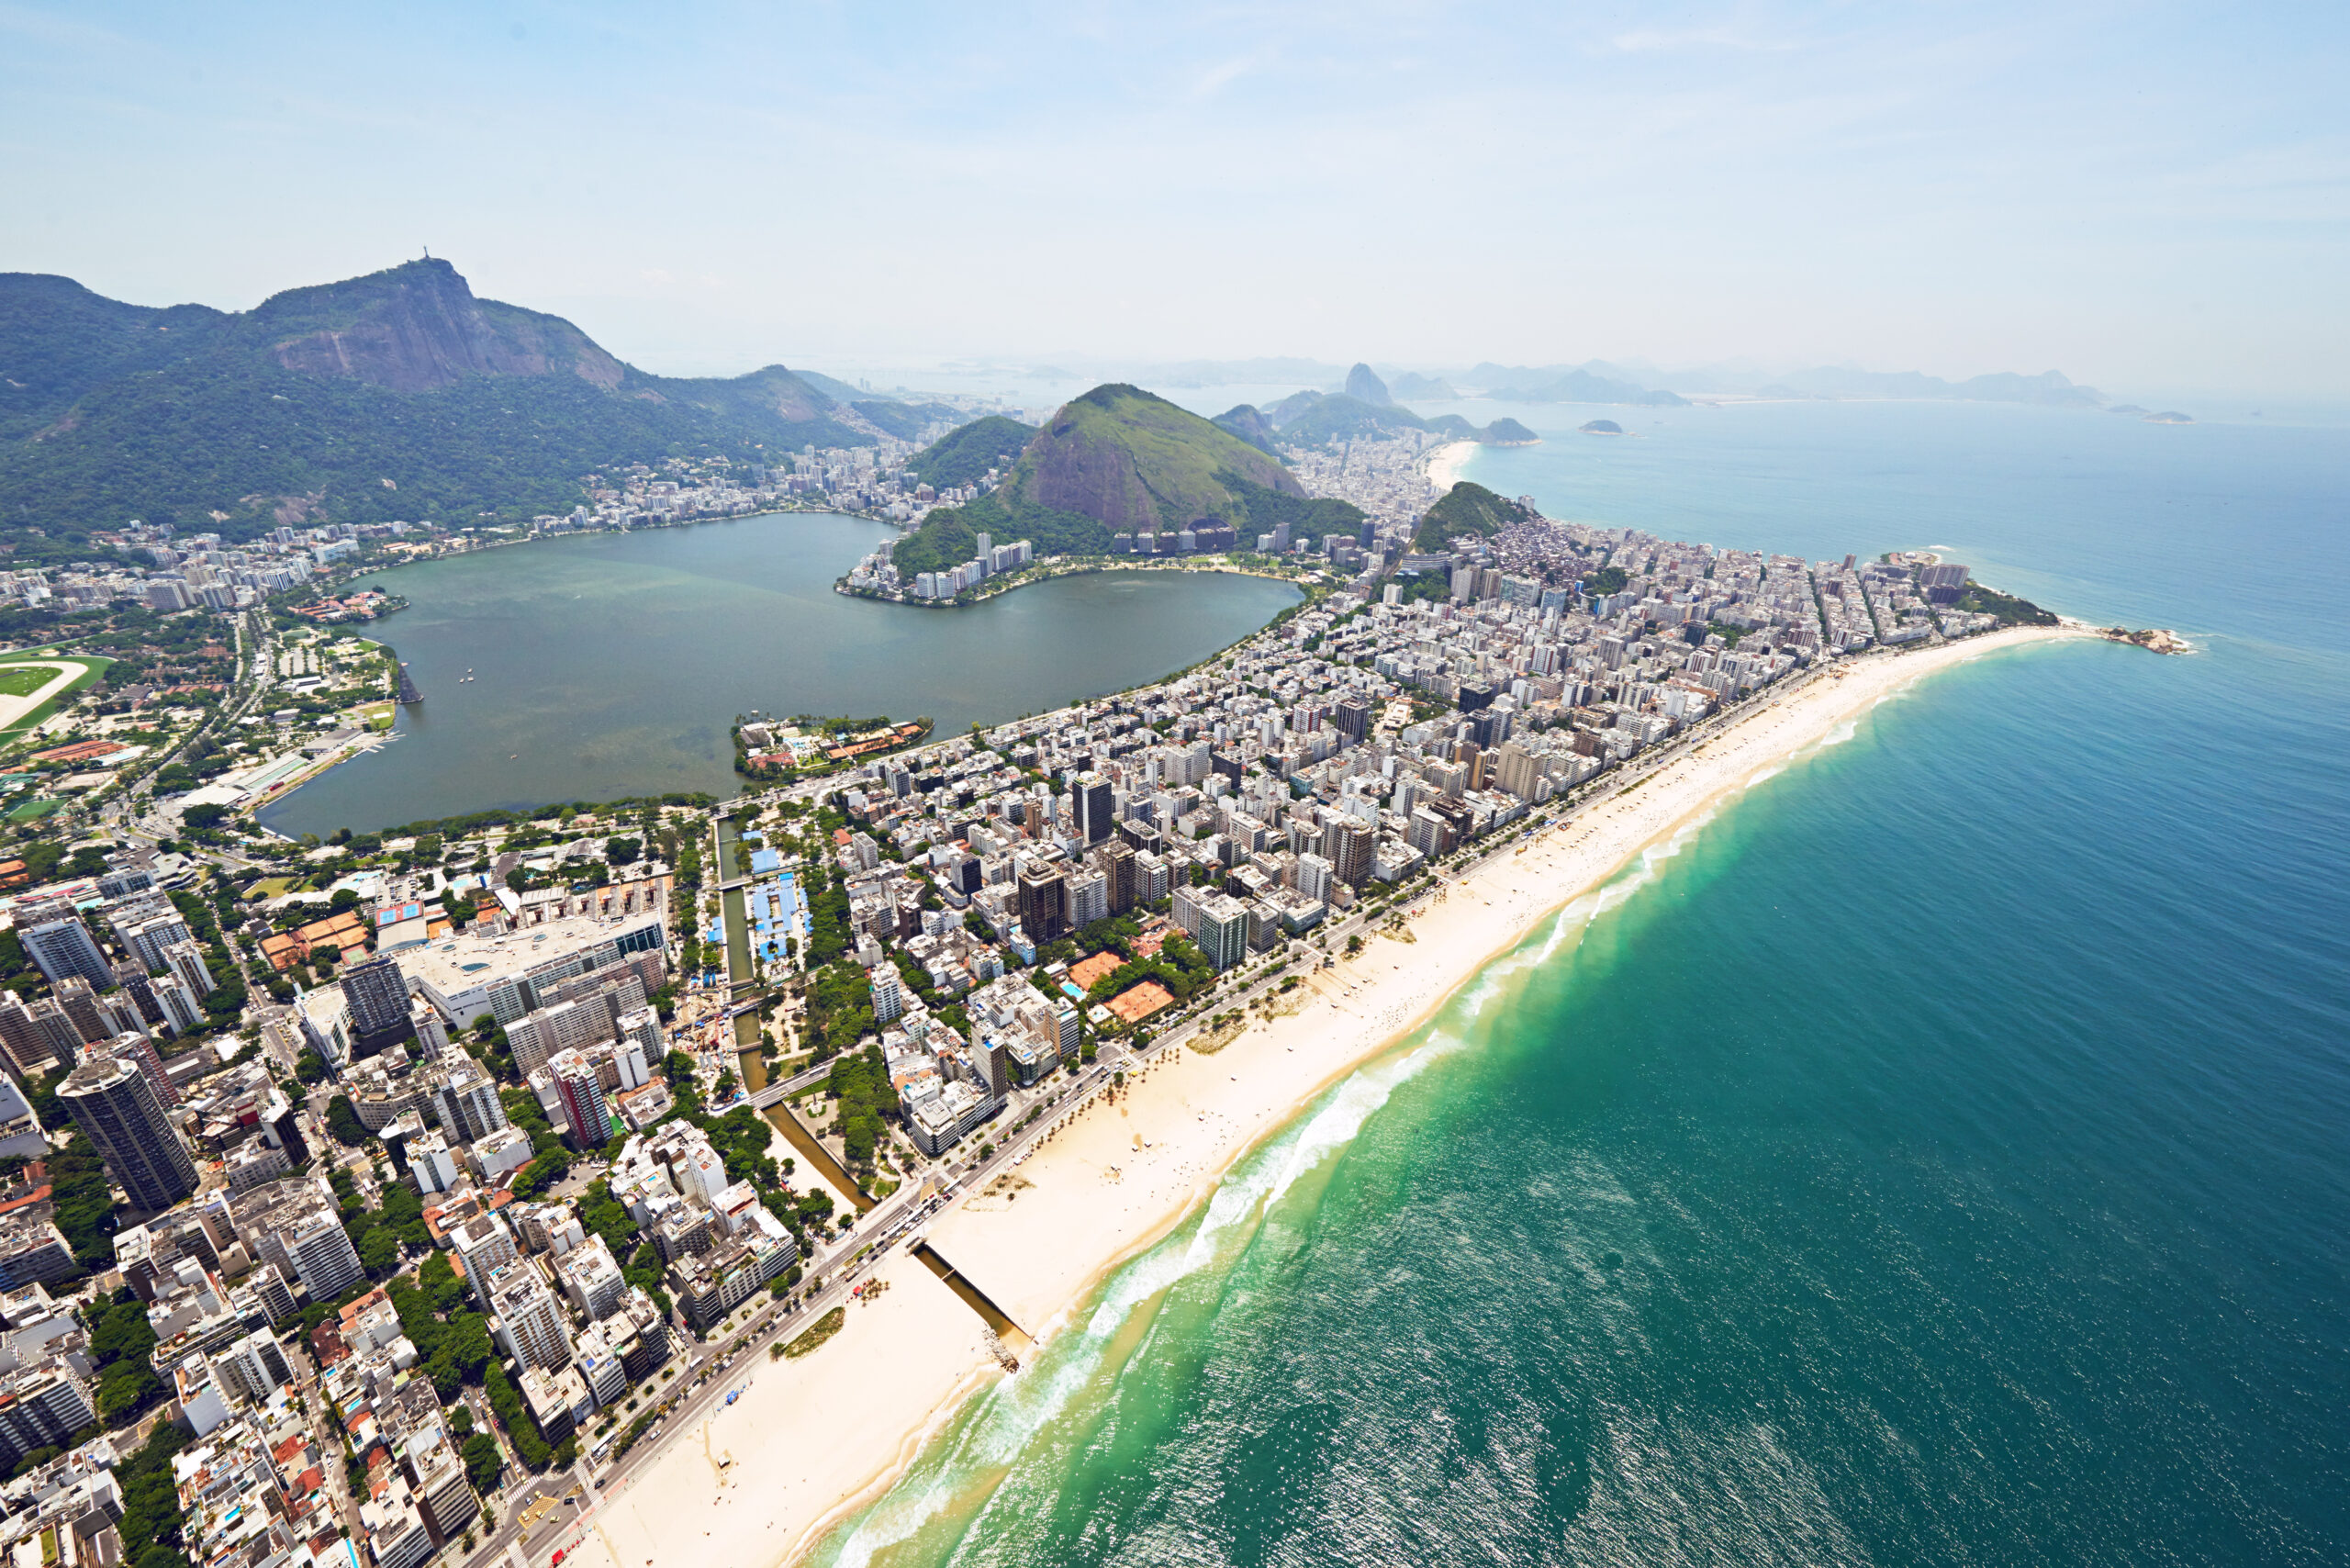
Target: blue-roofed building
{"type": "Point", "coordinates": [775, 909]}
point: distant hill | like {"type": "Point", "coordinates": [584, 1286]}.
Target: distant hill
{"type": "Point", "coordinates": [1561, 384]}
{"type": "Point", "coordinates": [903, 419]}
{"type": "Point", "coordinates": [1310, 419]}
{"type": "Point", "coordinates": [1120, 460]}
{"type": "Point", "coordinates": [2048, 388]}
{"type": "Point", "coordinates": [832, 386]}
{"type": "Point", "coordinates": [303, 407]}
{"type": "Point", "coordinates": [1411, 387]}
{"type": "Point", "coordinates": [963, 457]}
{"type": "Point", "coordinates": [1467, 508]}
{"type": "Point", "coordinates": [1364, 385]}
{"type": "Point", "coordinates": [1249, 424]}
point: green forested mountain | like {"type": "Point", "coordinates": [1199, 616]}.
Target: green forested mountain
{"type": "Point", "coordinates": [1120, 460]}
{"type": "Point", "coordinates": [303, 407]}
{"type": "Point", "coordinates": [1310, 419]}
{"type": "Point", "coordinates": [1250, 425]}
{"type": "Point", "coordinates": [963, 457]}
{"type": "Point", "coordinates": [903, 420]}
{"type": "Point", "coordinates": [1467, 508]}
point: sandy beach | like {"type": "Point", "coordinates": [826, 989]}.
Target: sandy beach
{"type": "Point", "coordinates": [1445, 463]}
{"type": "Point", "coordinates": [812, 1438]}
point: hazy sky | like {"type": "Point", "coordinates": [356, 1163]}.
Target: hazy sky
{"type": "Point", "coordinates": [2144, 195]}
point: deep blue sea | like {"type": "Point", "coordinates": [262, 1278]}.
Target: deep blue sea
{"type": "Point", "coordinates": [1942, 1155]}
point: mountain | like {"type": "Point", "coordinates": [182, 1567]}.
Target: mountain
{"type": "Point", "coordinates": [306, 406]}
{"type": "Point", "coordinates": [1467, 508]}
{"type": "Point", "coordinates": [2048, 388]}
{"type": "Point", "coordinates": [1249, 424]}
{"type": "Point", "coordinates": [1364, 386]}
{"type": "Point", "coordinates": [1564, 384]}
{"type": "Point", "coordinates": [1310, 419]}
{"type": "Point", "coordinates": [905, 420]}
{"type": "Point", "coordinates": [1412, 387]}
{"type": "Point", "coordinates": [963, 457]}
{"type": "Point", "coordinates": [1509, 433]}
{"type": "Point", "coordinates": [832, 386]}
{"type": "Point", "coordinates": [1120, 460]}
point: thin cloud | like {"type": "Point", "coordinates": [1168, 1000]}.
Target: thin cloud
{"type": "Point", "coordinates": [1213, 80]}
{"type": "Point", "coordinates": [1695, 38]}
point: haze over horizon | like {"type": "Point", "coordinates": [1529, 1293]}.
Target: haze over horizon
{"type": "Point", "coordinates": [2146, 197]}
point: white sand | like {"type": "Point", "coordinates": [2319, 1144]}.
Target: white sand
{"type": "Point", "coordinates": [1445, 463]}
{"type": "Point", "coordinates": [807, 1437]}
{"type": "Point", "coordinates": [814, 1437]}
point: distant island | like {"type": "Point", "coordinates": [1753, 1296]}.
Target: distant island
{"type": "Point", "coordinates": [1601, 427]}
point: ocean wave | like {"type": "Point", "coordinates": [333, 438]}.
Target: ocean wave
{"type": "Point", "coordinates": [1017, 1411]}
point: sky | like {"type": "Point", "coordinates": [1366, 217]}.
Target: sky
{"type": "Point", "coordinates": [2144, 195]}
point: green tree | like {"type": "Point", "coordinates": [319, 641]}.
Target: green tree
{"type": "Point", "coordinates": [380, 1252]}
{"type": "Point", "coordinates": [344, 1122]}
{"type": "Point", "coordinates": [483, 1462]}
{"type": "Point", "coordinates": [122, 1332]}
{"type": "Point", "coordinates": [126, 1387]}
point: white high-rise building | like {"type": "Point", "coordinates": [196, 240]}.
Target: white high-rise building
{"type": "Point", "coordinates": [482, 1245]}
{"type": "Point", "coordinates": [530, 1319]}
{"type": "Point", "coordinates": [186, 959]}
{"type": "Point", "coordinates": [1089, 897]}
{"type": "Point", "coordinates": [1313, 877]}
{"type": "Point", "coordinates": [889, 1000]}
{"type": "Point", "coordinates": [180, 1007]}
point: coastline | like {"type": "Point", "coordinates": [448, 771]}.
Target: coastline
{"type": "Point", "coordinates": [1074, 566]}
{"type": "Point", "coordinates": [1444, 463]}
{"type": "Point", "coordinates": [1117, 1177]}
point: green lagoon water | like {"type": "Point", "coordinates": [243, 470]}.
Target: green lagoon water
{"type": "Point", "coordinates": [610, 665]}
{"type": "Point", "coordinates": [1938, 1156]}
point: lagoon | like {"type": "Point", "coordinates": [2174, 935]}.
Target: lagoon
{"type": "Point", "coordinates": [611, 666]}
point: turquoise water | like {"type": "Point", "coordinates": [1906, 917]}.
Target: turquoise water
{"type": "Point", "coordinates": [1935, 1157]}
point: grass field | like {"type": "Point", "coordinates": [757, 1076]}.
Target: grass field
{"type": "Point", "coordinates": [22, 680]}
{"type": "Point", "coordinates": [90, 667]}
{"type": "Point", "coordinates": [31, 810]}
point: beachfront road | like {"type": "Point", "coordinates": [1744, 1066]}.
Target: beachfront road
{"type": "Point", "coordinates": [577, 1494]}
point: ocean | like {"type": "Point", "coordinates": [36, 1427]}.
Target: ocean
{"type": "Point", "coordinates": [1936, 1156]}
